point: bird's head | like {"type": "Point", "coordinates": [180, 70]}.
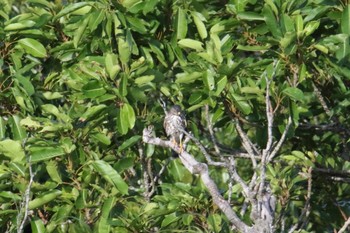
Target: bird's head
{"type": "Point", "coordinates": [175, 110]}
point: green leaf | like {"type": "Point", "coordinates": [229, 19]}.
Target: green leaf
{"type": "Point", "coordinates": [299, 26]}
{"type": "Point", "coordinates": [250, 16]}
{"type": "Point", "coordinates": [188, 78]}
{"type": "Point", "coordinates": [112, 66]}
{"type": "Point", "coordinates": [18, 132]}
{"type": "Point", "coordinates": [71, 8]}
{"type": "Point", "coordinates": [294, 93]}
{"type": "Point", "coordinates": [136, 24]}
{"type": "Point", "coordinates": [123, 84]}
{"type": "Point", "coordinates": [124, 51]}
{"type": "Point", "coordinates": [12, 149]}
{"type": "Point", "coordinates": [33, 47]}
{"type": "Point", "coordinates": [93, 89]}
{"type": "Point", "coordinates": [110, 175]}
{"type": "Point", "coordinates": [198, 19]}
{"type": "Point", "coordinates": [170, 218]}
{"type": "Point", "coordinates": [51, 168]}
{"type": "Point", "coordinates": [45, 153]}
{"type": "Point", "coordinates": [101, 137]}
{"type": "Point", "coordinates": [2, 128]}
{"type": "Point", "coordinates": [195, 97]}
{"type": "Point", "coordinates": [26, 84]}
{"type": "Point", "coordinates": [44, 199]}
{"type": "Point", "coordinates": [10, 195]}
{"type": "Point", "coordinates": [311, 27]}
{"type": "Point", "coordinates": [345, 20]}
{"type": "Point", "coordinates": [181, 24]}
{"type": "Point", "coordinates": [92, 112]}
{"type": "Point", "coordinates": [52, 95]}
{"type": "Point", "coordinates": [129, 143]}
{"type": "Point", "coordinates": [144, 79]}
{"type": "Point", "coordinates": [208, 79]}
{"type": "Point", "coordinates": [271, 22]}
{"type": "Point", "coordinates": [96, 19]}
{"type": "Point", "coordinates": [37, 225]}
{"type": "Point", "coordinates": [20, 25]}
{"type": "Point", "coordinates": [78, 34]}
{"type": "Point", "coordinates": [192, 44]}
{"type": "Point", "coordinates": [253, 48]}
{"type": "Point", "coordinates": [220, 85]}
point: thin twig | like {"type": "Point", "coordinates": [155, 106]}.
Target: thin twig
{"type": "Point", "coordinates": [247, 144]}
{"type": "Point", "coordinates": [281, 141]}
{"type": "Point", "coordinates": [204, 152]}
{"type": "Point", "coordinates": [322, 100]}
{"type": "Point", "coordinates": [211, 131]}
{"type": "Point", "coordinates": [24, 210]}
{"type": "Point", "coordinates": [346, 224]}
{"type": "Point", "coordinates": [303, 218]}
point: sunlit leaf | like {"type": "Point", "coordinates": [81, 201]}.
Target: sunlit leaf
{"type": "Point", "coordinates": [33, 47]}
{"type": "Point", "coordinates": [111, 175]}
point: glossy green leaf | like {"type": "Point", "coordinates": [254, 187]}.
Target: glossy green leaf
{"type": "Point", "coordinates": [104, 139]}
{"type": "Point", "coordinates": [80, 31]}
{"type": "Point", "coordinates": [2, 128]}
{"type": "Point", "coordinates": [110, 175]}
{"type": "Point", "coordinates": [123, 84]}
{"type": "Point", "coordinates": [112, 66]}
{"type": "Point", "coordinates": [129, 142]}
{"type": "Point", "coordinates": [12, 149]}
{"type": "Point", "coordinates": [192, 44]}
{"type": "Point", "coordinates": [136, 24]}
{"type": "Point", "coordinates": [93, 89]}
{"type": "Point", "coordinates": [45, 153]}
{"type": "Point", "coordinates": [181, 24]}
{"type": "Point", "coordinates": [144, 79]}
{"type": "Point", "coordinates": [188, 78]}
{"type": "Point", "coordinates": [250, 16]}
{"type": "Point", "coordinates": [33, 47]}
{"type": "Point", "coordinates": [294, 93]}
{"type": "Point", "coordinates": [70, 8]}
{"type": "Point", "coordinates": [170, 218]}
{"type": "Point", "coordinates": [18, 132]}
{"type": "Point", "coordinates": [37, 226]}
{"type": "Point", "coordinates": [92, 112]}
{"type": "Point", "coordinates": [271, 22]}
{"type": "Point", "coordinates": [20, 25]}
{"type": "Point", "coordinates": [124, 51]}
{"type": "Point", "coordinates": [345, 19]}
{"type": "Point", "coordinates": [310, 27]}
{"type": "Point", "coordinates": [299, 25]}
{"type": "Point", "coordinates": [198, 19]}
{"type": "Point", "coordinates": [52, 170]}
{"type": "Point", "coordinates": [44, 199]}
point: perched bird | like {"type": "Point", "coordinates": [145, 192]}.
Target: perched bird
{"type": "Point", "coordinates": [174, 122]}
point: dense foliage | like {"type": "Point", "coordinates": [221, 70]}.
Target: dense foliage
{"type": "Point", "coordinates": [79, 81]}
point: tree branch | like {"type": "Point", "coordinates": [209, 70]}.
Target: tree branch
{"type": "Point", "coordinates": [24, 207]}
{"type": "Point", "coordinates": [196, 167]}
{"type": "Point", "coordinates": [346, 224]}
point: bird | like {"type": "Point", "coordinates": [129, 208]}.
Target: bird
{"type": "Point", "coordinates": [174, 123]}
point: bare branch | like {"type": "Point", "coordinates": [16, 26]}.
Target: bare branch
{"type": "Point", "coordinates": [303, 218]}
{"type": "Point", "coordinates": [247, 144]}
{"type": "Point", "coordinates": [322, 100]}
{"type": "Point", "coordinates": [281, 141]}
{"type": "Point", "coordinates": [24, 207]}
{"type": "Point", "coordinates": [211, 131]}
{"type": "Point", "coordinates": [203, 150]}
{"type": "Point", "coordinates": [346, 224]}
{"type": "Point", "coordinates": [196, 167]}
